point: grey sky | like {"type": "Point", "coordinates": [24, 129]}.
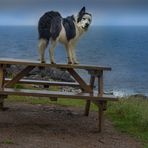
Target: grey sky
{"type": "Point", "coordinates": [105, 12]}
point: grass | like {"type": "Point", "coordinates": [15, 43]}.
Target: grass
{"type": "Point", "coordinates": [129, 115]}
{"type": "Point", "coordinates": [47, 101]}
{"type": "Point", "coordinates": [7, 141]}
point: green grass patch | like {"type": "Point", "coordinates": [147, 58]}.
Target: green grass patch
{"type": "Point", "coordinates": [130, 115]}
{"type": "Point", "coordinates": [47, 101]}
{"type": "Point", "coordinates": [19, 86]}
{"type": "Point", "coordinates": [7, 141]}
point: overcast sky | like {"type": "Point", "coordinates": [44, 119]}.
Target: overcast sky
{"type": "Point", "coordinates": [105, 12]}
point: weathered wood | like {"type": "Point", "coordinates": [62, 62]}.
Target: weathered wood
{"type": "Point", "coordinates": [88, 94]}
{"type": "Point", "coordinates": [101, 88]}
{"type": "Point", "coordinates": [82, 83]}
{"type": "Point", "coordinates": [51, 98]}
{"type": "Point", "coordinates": [2, 73]}
{"type": "Point", "coordinates": [95, 73]}
{"type": "Point", "coordinates": [43, 82]}
{"type": "Point", "coordinates": [104, 104]}
{"type": "Point", "coordinates": [100, 113]}
{"type": "Point", "coordinates": [19, 76]}
{"type": "Point", "coordinates": [88, 102]}
{"type": "Point", "coordinates": [100, 84]}
{"type": "Point", "coordinates": [46, 93]}
{"type": "Point", "coordinates": [38, 64]}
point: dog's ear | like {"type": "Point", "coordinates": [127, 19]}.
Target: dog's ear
{"type": "Point", "coordinates": [82, 11]}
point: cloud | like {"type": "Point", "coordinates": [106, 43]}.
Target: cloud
{"type": "Point", "coordinates": [67, 3]}
{"type": "Point", "coordinates": [104, 11]}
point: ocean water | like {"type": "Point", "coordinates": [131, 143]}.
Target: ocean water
{"type": "Point", "coordinates": [124, 49]}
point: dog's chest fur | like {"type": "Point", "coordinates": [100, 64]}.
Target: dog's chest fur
{"type": "Point", "coordinates": [64, 37]}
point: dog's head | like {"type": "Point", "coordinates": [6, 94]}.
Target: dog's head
{"type": "Point", "coordinates": [84, 19]}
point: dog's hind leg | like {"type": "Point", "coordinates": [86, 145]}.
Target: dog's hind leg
{"type": "Point", "coordinates": [51, 51]}
{"type": "Point", "coordinates": [42, 46]}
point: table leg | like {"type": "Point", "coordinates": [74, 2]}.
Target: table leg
{"type": "Point", "coordinates": [2, 71]}
{"type": "Point", "coordinates": [101, 104]}
{"type": "Point", "coordinates": [100, 114]}
{"type": "Point", "coordinates": [100, 84]}
{"type": "Point", "coordinates": [51, 98]}
{"type": "Point", "coordinates": [88, 102]}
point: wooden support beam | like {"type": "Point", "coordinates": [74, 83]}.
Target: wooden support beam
{"type": "Point", "coordinates": [83, 84]}
{"type": "Point", "coordinates": [19, 76]}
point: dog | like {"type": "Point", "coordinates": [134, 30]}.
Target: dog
{"type": "Point", "coordinates": [53, 28]}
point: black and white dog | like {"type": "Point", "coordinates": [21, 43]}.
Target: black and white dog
{"type": "Point", "coordinates": [53, 28]}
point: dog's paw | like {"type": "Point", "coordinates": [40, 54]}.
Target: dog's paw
{"type": "Point", "coordinates": [70, 62]}
{"type": "Point", "coordinates": [76, 62]}
{"type": "Point", "coordinates": [52, 62]}
{"type": "Point", "coordinates": [43, 61]}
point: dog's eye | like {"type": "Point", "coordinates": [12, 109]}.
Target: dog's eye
{"type": "Point", "coordinates": [84, 19]}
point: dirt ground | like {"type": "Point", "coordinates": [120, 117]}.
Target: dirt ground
{"type": "Point", "coordinates": [39, 126]}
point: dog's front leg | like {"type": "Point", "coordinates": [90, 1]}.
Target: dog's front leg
{"type": "Point", "coordinates": [69, 54]}
{"type": "Point", "coordinates": [51, 51]}
{"type": "Point", "coordinates": [74, 57]}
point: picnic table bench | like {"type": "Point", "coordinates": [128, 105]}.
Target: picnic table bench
{"type": "Point", "coordinates": [7, 85]}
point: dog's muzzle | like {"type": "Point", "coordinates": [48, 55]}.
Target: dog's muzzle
{"type": "Point", "coordinates": [86, 26]}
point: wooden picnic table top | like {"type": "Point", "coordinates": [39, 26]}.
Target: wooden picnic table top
{"type": "Point", "coordinates": [10, 61]}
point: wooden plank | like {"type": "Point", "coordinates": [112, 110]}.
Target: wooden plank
{"type": "Point", "coordinates": [43, 82]}
{"type": "Point", "coordinates": [19, 76]}
{"type": "Point", "coordinates": [37, 63]}
{"type": "Point", "coordinates": [83, 85]}
{"type": "Point", "coordinates": [88, 102]}
{"type": "Point", "coordinates": [46, 93]}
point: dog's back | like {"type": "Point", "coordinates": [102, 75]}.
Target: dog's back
{"type": "Point", "coordinates": [49, 20]}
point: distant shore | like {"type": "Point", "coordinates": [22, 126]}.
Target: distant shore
{"type": "Point", "coordinates": [57, 75]}
{"type": "Point", "coordinates": [41, 74]}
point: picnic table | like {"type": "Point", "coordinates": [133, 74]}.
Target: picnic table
{"type": "Point", "coordinates": [88, 93]}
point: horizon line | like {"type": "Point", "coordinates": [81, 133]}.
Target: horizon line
{"type": "Point", "coordinates": [105, 25]}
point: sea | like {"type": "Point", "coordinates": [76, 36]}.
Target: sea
{"type": "Point", "coordinates": [123, 48]}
